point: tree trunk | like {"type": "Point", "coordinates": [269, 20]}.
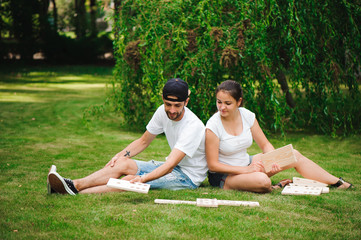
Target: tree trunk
{"type": "Point", "coordinates": [93, 17]}
{"type": "Point", "coordinates": [281, 78]}
{"type": "Point", "coordinates": [55, 16]}
{"type": "Point", "coordinates": [44, 25]}
{"type": "Point", "coordinates": [80, 18]}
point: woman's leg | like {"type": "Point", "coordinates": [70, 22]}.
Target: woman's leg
{"type": "Point", "coordinates": [252, 182]}
{"type": "Point", "coordinates": [309, 169]}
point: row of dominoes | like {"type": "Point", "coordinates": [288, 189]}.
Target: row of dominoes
{"type": "Point", "coordinates": [208, 202]}
{"type": "Point", "coordinates": [303, 186]}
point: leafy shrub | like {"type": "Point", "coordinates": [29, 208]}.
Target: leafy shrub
{"type": "Point", "coordinates": [297, 61]}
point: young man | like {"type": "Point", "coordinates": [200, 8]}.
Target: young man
{"type": "Point", "coordinates": [184, 168]}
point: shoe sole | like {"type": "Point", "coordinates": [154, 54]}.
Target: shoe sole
{"type": "Point", "coordinates": [52, 169]}
{"type": "Point", "coordinates": [58, 184]}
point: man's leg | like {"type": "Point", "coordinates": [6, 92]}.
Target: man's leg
{"type": "Point", "coordinates": [105, 188]}
{"type": "Point", "coordinates": [124, 166]}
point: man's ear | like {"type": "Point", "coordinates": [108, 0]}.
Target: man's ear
{"type": "Point", "coordinates": [186, 102]}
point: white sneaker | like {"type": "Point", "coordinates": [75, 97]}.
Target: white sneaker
{"type": "Point", "coordinates": [61, 185]}
{"type": "Point", "coordinates": [51, 170]}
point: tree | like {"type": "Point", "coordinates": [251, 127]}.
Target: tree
{"type": "Point", "coordinates": [55, 15]}
{"type": "Point", "coordinates": [311, 47]}
{"type": "Point", "coordinates": [80, 19]}
{"type": "Point", "coordinates": [93, 16]}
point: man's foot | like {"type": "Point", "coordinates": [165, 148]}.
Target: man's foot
{"type": "Point", "coordinates": [50, 189]}
{"type": "Point", "coordinates": [341, 184]}
{"type": "Point", "coordinates": [282, 184]}
{"type": "Point", "coordinates": [62, 185]}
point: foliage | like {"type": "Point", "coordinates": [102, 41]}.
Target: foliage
{"type": "Point", "coordinates": [297, 60]}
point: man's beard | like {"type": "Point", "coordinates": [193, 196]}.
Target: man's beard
{"type": "Point", "coordinates": [173, 118]}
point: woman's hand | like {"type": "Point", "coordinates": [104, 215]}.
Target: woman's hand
{"type": "Point", "coordinates": [274, 170]}
{"type": "Point", "coordinates": [256, 166]}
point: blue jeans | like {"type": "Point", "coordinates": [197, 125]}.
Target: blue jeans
{"type": "Point", "coordinates": [175, 180]}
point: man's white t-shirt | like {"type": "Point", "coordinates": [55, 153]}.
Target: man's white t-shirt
{"type": "Point", "coordinates": [186, 135]}
{"type": "Point", "coordinates": [233, 149]}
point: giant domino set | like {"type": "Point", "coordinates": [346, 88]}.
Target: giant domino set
{"type": "Point", "coordinates": [283, 156]}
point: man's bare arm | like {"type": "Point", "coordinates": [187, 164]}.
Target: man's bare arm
{"type": "Point", "coordinates": [172, 161]}
{"type": "Point", "coordinates": [134, 148]}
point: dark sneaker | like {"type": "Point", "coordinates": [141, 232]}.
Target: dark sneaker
{"type": "Point", "coordinates": [50, 190]}
{"type": "Point", "coordinates": [62, 185]}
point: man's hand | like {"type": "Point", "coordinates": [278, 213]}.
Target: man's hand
{"type": "Point", "coordinates": [112, 161]}
{"type": "Point", "coordinates": [137, 179]}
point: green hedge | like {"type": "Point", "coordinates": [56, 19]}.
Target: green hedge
{"type": "Point", "coordinates": [296, 60]}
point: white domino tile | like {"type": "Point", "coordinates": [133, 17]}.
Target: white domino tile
{"type": "Point", "coordinates": [324, 189]}
{"type": "Point", "coordinates": [308, 182]}
{"type": "Point", "coordinates": [238, 203]}
{"type": "Point", "coordinates": [283, 156]}
{"type": "Point", "coordinates": [207, 202]}
{"type": "Point", "coordinates": [128, 186]}
{"type": "Point", "coordinates": [293, 190]}
{"type": "Point", "coordinates": [166, 201]}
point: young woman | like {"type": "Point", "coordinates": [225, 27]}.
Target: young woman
{"type": "Point", "coordinates": [229, 133]}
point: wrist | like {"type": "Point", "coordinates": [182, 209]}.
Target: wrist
{"type": "Point", "coordinates": [143, 178]}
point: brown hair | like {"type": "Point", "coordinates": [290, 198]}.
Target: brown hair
{"type": "Point", "coordinates": [233, 88]}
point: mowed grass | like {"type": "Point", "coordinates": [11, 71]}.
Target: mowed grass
{"type": "Point", "coordinates": [41, 124]}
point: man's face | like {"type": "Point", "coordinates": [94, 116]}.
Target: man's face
{"type": "Point", "coordinates": [174, 110]}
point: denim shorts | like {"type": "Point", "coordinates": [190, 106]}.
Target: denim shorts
{"type": "Point", "coordinates": [176, 180]}
{"type": "Point", "coordinates": [218, 179]}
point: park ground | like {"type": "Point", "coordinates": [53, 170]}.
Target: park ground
{"type": "Point", "coordinates": [46, 118]}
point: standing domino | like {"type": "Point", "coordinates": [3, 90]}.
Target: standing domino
{"type": "Point", "coordinates": [128, 186]}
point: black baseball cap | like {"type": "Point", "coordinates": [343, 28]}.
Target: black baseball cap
{"type": "Point", "coordinates": [176, 87]}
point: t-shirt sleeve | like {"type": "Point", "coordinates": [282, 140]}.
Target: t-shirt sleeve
{"type": "Point", "coordinates": [213, 125]}
{"type": "Point", "coordinates": [248, 116]}
{"type": "Point", "coordinates": [155, 125]}
{"type": "Point", "coordinates": [190, 139]}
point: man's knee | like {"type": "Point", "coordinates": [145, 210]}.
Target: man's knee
{"type": "Point", "coordinates": [126, 166]}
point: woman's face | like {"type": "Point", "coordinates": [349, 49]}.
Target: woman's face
{"type": "Point", "coordinates": [226, 104]}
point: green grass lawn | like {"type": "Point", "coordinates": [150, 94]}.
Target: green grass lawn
{"type": "Point", "coordinates": [41, 123]}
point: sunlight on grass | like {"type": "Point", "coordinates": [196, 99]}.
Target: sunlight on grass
{"type": "Point", "coordinates": [22, 98]}
{"type": "Point", "coordinates": [77, 86]}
